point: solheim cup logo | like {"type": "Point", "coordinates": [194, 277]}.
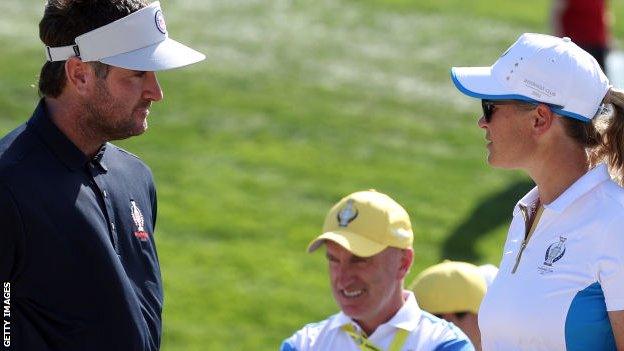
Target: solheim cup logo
{"type": "Point", "coordinates": [555, 251]}
{"type": "Point", "coordinates": [347, 214]}
{"type": "Point", "coordinates": [160, 22]}
{"type": "Point", "coordinates": [139, 221]}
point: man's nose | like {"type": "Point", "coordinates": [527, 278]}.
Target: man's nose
{"type": "Point", "coordinates": [152, 90]}
{"type": "Point", "coordinates": [344, 274]}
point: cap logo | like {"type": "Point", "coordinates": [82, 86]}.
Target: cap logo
{"type": "Point", "coordinates": [160, 22]}
{"type": "Point", "coordinates": [347, 214]}
{"type": "Point", "coordinates": [539, 89]}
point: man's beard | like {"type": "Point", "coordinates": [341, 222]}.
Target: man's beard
{"type": "Point", "coordinates": [103, 120]}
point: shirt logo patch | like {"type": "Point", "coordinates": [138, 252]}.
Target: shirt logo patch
{"type": "Point", "coordinates": [554, 253]}
{"type": "Point", "coordinates": [139, 222]}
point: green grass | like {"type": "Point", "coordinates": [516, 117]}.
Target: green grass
{"type": "Point", "coordinates": [298, 104]}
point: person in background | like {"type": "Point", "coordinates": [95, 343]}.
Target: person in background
{"type": "Point", "coordinates": [549, 110]}
{"type": "Point", "coordinates": [368, 244]}
{"type": "Point", "coordinates": [78, 258]}
{"type": "Point", "coordinates": [453, 291]}
{"type": "Point", "coordinates": [586, 22]}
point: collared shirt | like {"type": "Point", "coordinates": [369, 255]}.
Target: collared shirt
{"type": "Point", "coordinates": [426, 333]}
{"type": "Point", "coordinates": [76, 245]}
{"type": "Point", "coordinates": [569, 275]}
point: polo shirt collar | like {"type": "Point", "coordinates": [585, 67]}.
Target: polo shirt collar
{"type": "Point", "coordinates": [408, 313]}
{"type": "Point", "coordinates": [583, 185]}
{"type": "Point", "coordinates": [59, 144]}
{"type": "Point", "coordinates": [100, 158]}
{"type": "Point", "coordinates": [404, 318]}
{"type": "Point", "coordinates": [527, 201]}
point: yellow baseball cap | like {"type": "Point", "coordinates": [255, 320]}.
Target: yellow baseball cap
{"type": "Point", "coordinates": [450, 287]}
{"type": "Point", "coordinates": [366, 223]}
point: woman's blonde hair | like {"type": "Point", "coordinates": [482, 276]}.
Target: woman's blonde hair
{"type": "Point", "coordinates": [604, 136]}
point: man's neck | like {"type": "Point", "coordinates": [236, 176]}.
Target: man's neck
{"type": "Point", "coordinates": [66, 115]}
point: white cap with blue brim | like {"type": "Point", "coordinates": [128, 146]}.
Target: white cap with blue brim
{"type": "Point", "coordinates": [540, 68]}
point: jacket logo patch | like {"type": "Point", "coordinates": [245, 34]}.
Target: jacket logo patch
{"type": "Point", "coordinates": [139, 222]}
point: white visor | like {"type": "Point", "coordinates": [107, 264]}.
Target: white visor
{"type": "Point", "coordinates": [138, 41]}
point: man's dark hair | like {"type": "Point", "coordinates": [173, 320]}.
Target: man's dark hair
{"type": "Point", "coordinates": [64, 20]}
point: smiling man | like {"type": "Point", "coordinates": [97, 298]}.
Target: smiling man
{"type": "Point", "coordinates": [368, 241]}
{"type": "Point", "coordinates": [77, 214]}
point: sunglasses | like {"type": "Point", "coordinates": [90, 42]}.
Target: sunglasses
{"type": "Point", "coordinates": [488, 106]}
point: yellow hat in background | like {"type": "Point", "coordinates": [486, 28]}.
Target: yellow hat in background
{"type": "Point", "coordinates": [366, 223]}
{"type": "Point", "coordinates": [450, 287]}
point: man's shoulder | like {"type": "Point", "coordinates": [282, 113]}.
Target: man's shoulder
{"type": "Point", "coordinates": [123, 158]}
{"type": "Point", "coordinates": [123, 154]}
{"type": "Point", "coordinates": [445, 335]}
{"type": "Point", "coordinates": [307, 335]}
{"type": "Point", "coordinates": [14, 147]}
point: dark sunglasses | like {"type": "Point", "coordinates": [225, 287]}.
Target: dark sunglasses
{"type": "Point", "coordinates": [488, 106]}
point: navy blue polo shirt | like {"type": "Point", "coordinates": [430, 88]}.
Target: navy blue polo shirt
{"type": "Point", "coordinates": [76, 245]}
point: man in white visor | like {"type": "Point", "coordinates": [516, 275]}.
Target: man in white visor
{"type": "Point", "coordinates": [78, 259]}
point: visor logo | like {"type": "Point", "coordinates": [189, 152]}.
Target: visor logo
{"type": "Point", "coordinates": [160, 22]}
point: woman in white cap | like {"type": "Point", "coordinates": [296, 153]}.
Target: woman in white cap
{"type": "Point", "coordinates": [549, 110]}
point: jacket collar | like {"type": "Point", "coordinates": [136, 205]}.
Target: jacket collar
{"type": "Point", "coordinates": [58, 143]}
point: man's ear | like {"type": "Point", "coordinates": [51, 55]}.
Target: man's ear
{"type": "Point", "coordinates": [407, 258]}
{"type": "Point", "coordinates": [80, 76]}
{"type": "Point", "coordinates": [542, 119]}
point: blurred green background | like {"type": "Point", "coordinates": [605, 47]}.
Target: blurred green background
{"type": "Point", "coordinates": [299, 103]}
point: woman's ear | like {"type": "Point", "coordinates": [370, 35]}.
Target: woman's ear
{"type": "Point", "coordinates": [542, 119]}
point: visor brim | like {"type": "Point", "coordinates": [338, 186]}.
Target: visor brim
{"type": "Point", "coordinates": [164, 55]}
{"type": "Point", "coordinates": [356, 244]}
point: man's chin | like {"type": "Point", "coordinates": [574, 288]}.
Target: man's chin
{"type": "Point", "coordinates": [353, 311]}
{"type": "Point", "coordinates": [128, 134]}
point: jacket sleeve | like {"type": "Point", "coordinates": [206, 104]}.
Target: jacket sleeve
{"type": "Point", "coordinates": [11, 235]}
